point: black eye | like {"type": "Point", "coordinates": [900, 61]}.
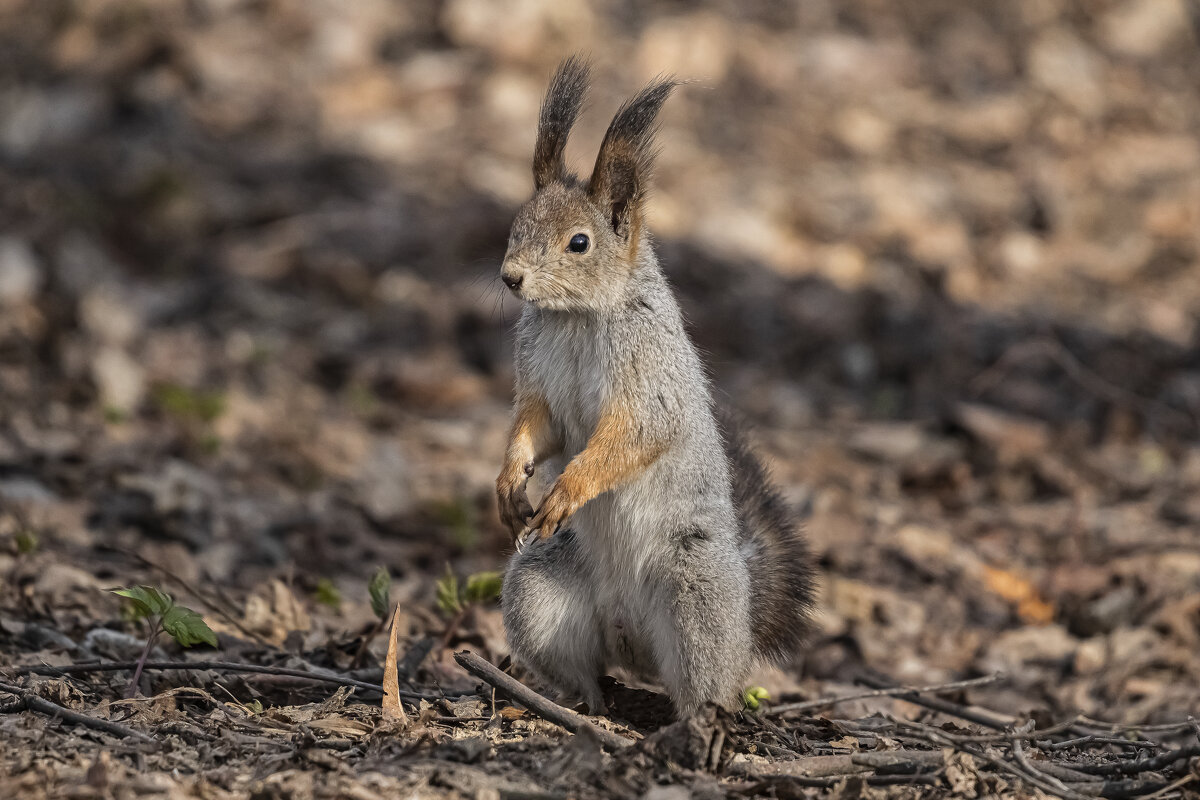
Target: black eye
{"type": "Point", "coordinates": [579, 243]}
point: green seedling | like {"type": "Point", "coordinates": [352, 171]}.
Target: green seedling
{"type": "Point", "coordinates": [189, 405]}
{"type": "Point", "coordinates": [380, 590]}
{"type": "Point", "coordinates": [27, 541]}
{"type": "Point", "coordinates": [455, 600]}
{"type": "Point", "coordinates": [754, 696]}
{"type": "Point", "coordinates": [328, 595]}
{"type": "Point", "coordinates": [162, 613]}
{"type": "Point", "coordinates": [480, 588]}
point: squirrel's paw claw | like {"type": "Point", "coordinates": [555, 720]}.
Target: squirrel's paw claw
{"type": "Point", "coordinates": [525, 537]}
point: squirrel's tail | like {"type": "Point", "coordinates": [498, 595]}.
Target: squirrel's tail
{"type": "Point", "coordinates": [782, 579]}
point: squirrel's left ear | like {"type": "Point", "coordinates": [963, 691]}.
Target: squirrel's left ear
{"type": "Point", "coordinates": [621, 177]}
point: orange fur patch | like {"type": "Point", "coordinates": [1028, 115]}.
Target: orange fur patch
{"type": "Point", "coordinates": [614, 453]}
{"type": "Point", "coordinates": [531, 438]}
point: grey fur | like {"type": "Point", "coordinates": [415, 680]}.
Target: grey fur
{"type": "Point", "coordinates": [661, 574]}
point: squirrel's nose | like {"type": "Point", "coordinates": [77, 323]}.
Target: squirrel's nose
{"type": "Point", "coordinates": [512, 282]}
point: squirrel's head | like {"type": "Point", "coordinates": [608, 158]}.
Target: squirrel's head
{"type": "Point", "coordinates": [574, 245]}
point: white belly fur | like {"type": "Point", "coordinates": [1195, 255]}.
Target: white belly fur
{"type": "Point", "coordinates": [622, 530]}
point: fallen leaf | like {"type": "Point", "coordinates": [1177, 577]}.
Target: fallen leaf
{"type": "Point", "coordinates": [511, 712]}
{"type": "Point", "coordinates": [393, 711]}
{"type": "Point", "coordinates": [1020, 592]}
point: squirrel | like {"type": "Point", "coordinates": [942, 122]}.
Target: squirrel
{"type": "Point", "coordinates": [681, 563]}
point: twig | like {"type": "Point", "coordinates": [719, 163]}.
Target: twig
{"type": "Point", "coordinates": [843, 764]}
{"type": "Point", "coordinates": [899, 691]}
{"type": "Point", "coordinates": [984, 717]}
{"type": "Point", "coordinates": [1019, 754]}
{"type": "Point", "coordinates": [760, 788]}
{"type": "Point", "coordinates": [1170, 787]}
{"type": "Point", "coordinates": [1116, 727]}
{"type": "Point", "coordinates": [1092, 738]}
{"type": "Point", "coordinates": [565, 717]}
{"type": "Point", "coordinates": [942, 739]}
{"type": "Point", "coordinates": [1149, 764]}
{"type": "Point", "coordinates": [36, 703]}
{"type": "Point", "coordinates": [1085, 377]}
{"type": "Point", "coordinates": [225, 666]}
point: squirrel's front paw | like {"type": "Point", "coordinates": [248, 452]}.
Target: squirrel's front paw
{"type": "Point", "coordinates": [515, 508]}
{"type": "Point", "coordinates": [557, 506]}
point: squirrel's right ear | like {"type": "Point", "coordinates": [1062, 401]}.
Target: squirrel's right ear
{"type": "Point", "coordinates": [563, 100]}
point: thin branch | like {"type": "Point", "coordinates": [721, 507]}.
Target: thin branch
{"type": "Point", "coordinates": [1117, 727]}
{"type": "Point", "coordinates": [1170, 787]}
{"type": "Point", "coordinates": [942, 739]}
{"type": "Point", "coordinates": [760, 788]}
{"type": "Point", "coordinates": [843, 764]}
{"type": "Point", "coordinates": [226, 666]}
{"type": "Point", "coordinates": [898, 691]}
{"type": "Point", "coordinates": [1086, 378]}
{"type": "Point", "coordinates": [1092, 738]}
{"type": "Point", "coordinates": [36, 703]}
{"type": "Point", "coordinates": [515, 690]}
{"type": "Point", "coordinates": [1148, 764]}
{"type": "Point", "coordinates": [984, 717]}
{"type": "Point", "coordinates": [1019, 754]}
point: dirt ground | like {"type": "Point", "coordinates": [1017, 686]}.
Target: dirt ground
{"type": "Point", "coordinates": [253, 346]}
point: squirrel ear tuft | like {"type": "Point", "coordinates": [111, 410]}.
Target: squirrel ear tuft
{"type": "Point", "coordinates": [622, 173]}
{"type": "Point", "coordinates": [563, 100]}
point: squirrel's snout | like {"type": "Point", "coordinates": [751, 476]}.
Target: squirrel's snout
{"type": "Point", "coordinates": [512, 277]}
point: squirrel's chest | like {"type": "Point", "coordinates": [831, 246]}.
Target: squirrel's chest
{"type": "Point", "coordinates": [571, 365]}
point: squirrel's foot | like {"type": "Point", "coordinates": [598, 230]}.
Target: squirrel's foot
{"type": "Point", "coordinates": [590, 697]}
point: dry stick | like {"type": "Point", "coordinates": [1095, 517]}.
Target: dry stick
{"type": "Point", "coordinates": [1076, 370]}
{"type": "Point", "coordinates": [899, 691]}
{"type": "Point", "coordinates": [842, 765]}
{"type": "Point", "coordinates": [227, 666]}
{"type": "Point", "coordinates": [984, 717]}
{"type": "Point", "coordinates": [1186, 779]}
{"type": "Point", "coordinates": [1092, 787]}
{"type": "Point", "coordinates": [35, 703]}
{"type": "Point", "coordinates": [1019, 754]}
{"type": "Point", "coordinates": [1132, 744]}
{"type": "Point", "coordinates": [936, 737]}
{"type": "Point", "coordinates": [1116, 727]}
{"type": "Point", "coordinates": [758, 789]}
{"type": "Point", "coordinates": [1149, 764]}
{"type": "Point", "coordinates": [565, 717]}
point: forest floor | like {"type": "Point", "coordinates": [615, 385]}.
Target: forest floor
{"type": "Point", "coordinates": [253, 348]}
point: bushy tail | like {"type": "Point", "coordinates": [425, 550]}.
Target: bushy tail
{"type": "Point", "coordinates": [782, 579]}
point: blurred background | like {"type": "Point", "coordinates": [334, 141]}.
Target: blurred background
{"type": "Point", "coordinates": [942, 254]}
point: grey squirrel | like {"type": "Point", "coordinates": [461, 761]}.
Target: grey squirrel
{"type": "Point", "coordinates": [681, 562]}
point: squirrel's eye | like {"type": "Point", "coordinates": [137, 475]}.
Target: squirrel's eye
{"type": "Point", "coordinates": [579, 243]}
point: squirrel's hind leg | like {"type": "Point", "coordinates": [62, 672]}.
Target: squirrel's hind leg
{"type": "Point", "coordinates": [701, 622]}
{"type": "Point", "coordinates": [551, 620]}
